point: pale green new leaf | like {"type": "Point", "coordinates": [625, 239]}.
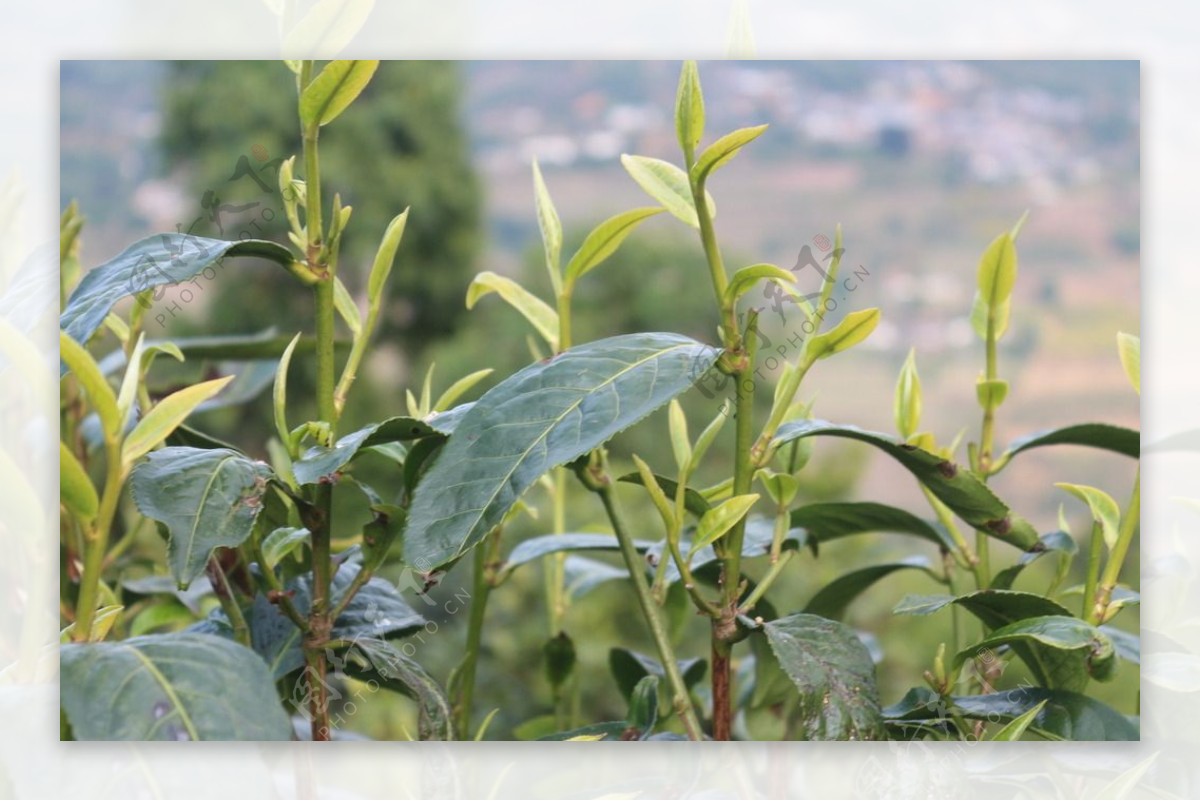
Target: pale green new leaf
{"type": "Point", "coordinates": [183, 686]}
{"type": "Point", "coordinates": [1105, 511]}
{"type": "Point", "coordinates": [979, 311]}
{"type": "Point", "coordinates": [665, 510]}
{"type": "Point", "coordinates": [279, 395]}
{"type": "Point", "coordinates": [681, 443]}
{"type": "Point", "coordinates": [998, 270]}
{"type": "Point", "coordinates": [689, 108]}
{"type": "Point", "coordinates": [543, 318]}
{"type": "Point", "coordinates": [853, 329]}
{"type": "Point", "coordinates": [75, 488]}
{"type": "Point", "coordinates": [720, 152]}
{"type": "Point", "coordinates": [1129, 348]}
{"type": "Point", "coordinates": [333, 90]}
{"type": "Point", "coordinates": [667, 184]}
{"type": "Point", "coordinates": [167, 415]}
{"type": "Point", "coordinates": [704, 442]}
{"type": "Point", "coordinates": [717, 521]}
{"type": "Point", "coordinates": [908, 397]}
{"type": "Point", "coordinates": [346, 307]}
{"type": "Point", "coordinates": [604, 240]}
{"type": "Point", "coordinates": [545, 415]}
{"type": "Point", "coordinates": [385, 256]}
{"type": "Point", "coordinates": [281, 542]}
{"type": "Point", "coordinates": [744, 279]}
{"type": "Point", "coordinates": [206, 497]}
{"type": "Point", "coordinates": [459, 388]}
{"type": "Point", "coordinates": [91, 379]}
{"type": "Point", "coordinates": [550, 226]}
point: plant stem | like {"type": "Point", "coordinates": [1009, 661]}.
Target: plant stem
{"type": "Point", "coordinates": [1095, 551]}
{"type": "Point", "coordinates": [229, 604]}
{"type": "Point", "coordinates": [564, 316]}
{"type": "Point", "coordinates": [666, 653]}
{"type": "Point", "coordinates": [983, 459]}
{"type": "Point", "coordinates": [1116, 559]}
{"type": "Point", "coordinates": [96, 541]}
{"type": "Point", "coordinates": [480, 590]}
{"type": "Point", "coordinates": [758, 592]}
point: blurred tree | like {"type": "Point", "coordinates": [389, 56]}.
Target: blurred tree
{"type": "Point", "coordinates": [228, 123]}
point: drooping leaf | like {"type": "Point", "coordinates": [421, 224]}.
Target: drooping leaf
{"type": "Point", "coordinates": [1066, 715]}
{"type": "Point", "coordinates": [1059, 543]}
{"type": "Point", "coordinates": [853, 329]}
{"type": "Point", "coordinates": [1105, 512]}
{"type": "Point", "coordinates": [205, 497]}
{"type": "Point", "coordinates": [1129, 348]}
{"type": "Point", "coordinates": [75, 488]}
{"type": "Point", "coordinates": [833, 520]}
{"type": "Point", "coordinates": [744, 279]}
{"type": "Point", "coordinates": [380, 660]}
{"type": "Point", "coordinates": [667, 184]}
{"type": "Point", "coordinates": [1116, 439]}
{"type": "Point", "coordinates": [320, 463]}
{"type": "Point", "coordinates": [167, 415]}
{"type": "Point", "coordinates": [1091, 646]}
{"type": "Point", "coordinates": [832, 600]}
{"type": "Point", "coordinates": [183, 686]}
{"type": "Point", "coordinates": [959, 489]}
{"type": "Point", "coordinates": [333, 90]}
{"type": "Point", "coordinates": [833, 672]}
{"type": "Point", "coordinates": [543, 416]}
{"type": "Point", "coordinates": [543, 318]}
{"type": "Point", "coordinates": [604, 240]}
{"type": "Point", "coordinates": [152, 262]}
{"type": "Point", "coordinates": [719, 153]}
{"type": "Point", "coordinates": [629, 667]}
{"type": "Point", "coordinates": [535, 548]}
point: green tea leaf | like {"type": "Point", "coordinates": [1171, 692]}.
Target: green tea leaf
{"type": "Point", "coordinates": [282, 542]}
{"type": "Point", "coordinates": [535, 548]}
{"type": "Point", "coordinates": [279, 394]}
{"type": "Point", "coordinates": [991, 394]}
{"type": "Point", "coordinates": [979, 312]}
{"type": "Point", "coordinates": [1016, 728]}
{"type": "Point", "coordinates": [543, 318]}
{"type": "Point", "coordinates": [346, 307]}
{"type": "Point", "coordinates": [907, 407]}
{"type": "Point", "coordinates": [182, 686]}
{"type": "Point", "coordinates": [1129, 348]}
{"type": "Point", "coordinates": [205, 497]}
{"type": "Point", "coordinates": [75, 488]}
{"type": "Point", "coordinates": [834, 675]}
{"type": "Point", "coordinates": [744, 279]}
{"type": "Point", "coordinates": [998, 271]}
{"type": "Point", "coordinates": [604, 240]}
{"type": "Point", "coordinates": [643, 706]}
{"type": "Point", "coordinates": [853, 329]}
{"type": "Point", "coordinates": [630, 667]}
{"type": "Point", "coordinates": [1056, 632]}
{"type": "Point", "coordinates": [681, 442]}
{"type": "Point", "coordinates": [832, 600]}
{"type": "Point", "coordinates": [1116, 439]}
{"type": "Point", "coordinates": [99, 394]}
{"type": "Point", "coordinates": [550, 226]}
{"type": "Point", "coordinates": [545, 415]}
{"type": "Point", "coordinates": [666, 509]}
{"type": "Point", "coordinates": [320, 463]}
{"type": "Point", "coordinates": [1105, 511]}
{"type": "Point", "coordinates": [333, 90]}
{"type": "Point", "coordinates": [704, 442]}
{"type": "Point", "coordinates": [667, 184]}
{"type": "Point", "coordinates": [720, 152]}
{"type": "Point", "coordinates": [1059, 543]}
{"type": "Point", "coordinates": [718, 520]}
{"type": "Point", "coordinates": [166, 416]}
{"type": "Point", "coordinates": [380, 660]}
{"type": "Point", "coordinates": [689, 109]}
{"type": "Point", "coordinates": [693, 501]}
{"type": "Point", "coordinates": [959, 489]}
{"type": "Point", "coordinates": [152, 262]}
{"type": "Point", "coordinates": [385, 257]}
{"type": "Point", "coordinates": [459, 388]}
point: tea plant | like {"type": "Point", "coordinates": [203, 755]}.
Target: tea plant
{"type": "Point", "coordinates": [295, 612]}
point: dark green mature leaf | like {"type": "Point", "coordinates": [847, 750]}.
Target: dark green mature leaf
{"type": "Point", "coordinates": [643, 706]}
{"type": "Point", "coordinates": [830, 521]}
{"type": "Point", "coordinates": [376, 612]}
{"type": "Point", "coordinates": [1056, 542]}
{"type": "Point", "coordinates": [379, 660]}
{"type": "Point", "coordinates": [320, 463]}
{"type": "Point", "coordinates": [1125, 441]}
{"type": "Point", "coordinates": [834, 675]}
{"type": "Point", "coordinates": [152, 262]}
{"type": "Point", "coordinates": [181, 686]}
{"type": "Point", "coordinates": [693, 501]}
{"type": "Point", "coordinates": [205, 497]}
{"type": "Point", "coordinates": [1067, 715]}
{"type": "Point", "coordinates": [959, 489]}
{"type": "Point", "coordinates": [543, 416]}
{"type": "Point", "coordinates": [1129, 646]}
{"type": "Point", "coordinates": [582, 575]}
{"type": "Point", "coordinates": [832, 599]}
{"type": "Point", "coordinates": [535, 548]}
{"type": "Point", "coordinates": [1052, 667]}
{"type": "Point", "coordinates": [1093, 650]}
{"type": "Point", "coordinates": [629, 667]}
